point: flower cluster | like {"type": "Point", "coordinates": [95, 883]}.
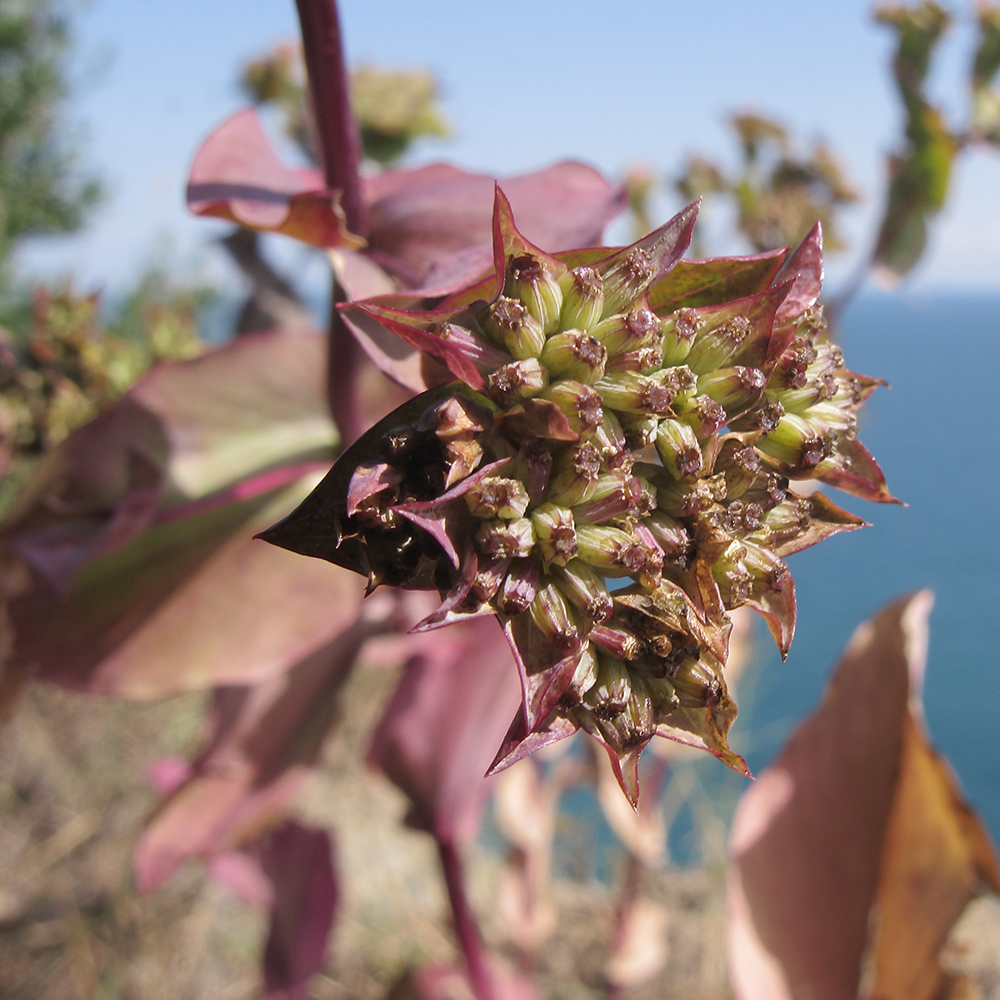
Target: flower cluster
{"type": "Point", "coordinates": [610, 476]}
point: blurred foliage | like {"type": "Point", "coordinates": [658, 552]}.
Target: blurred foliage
{"type": "Point", "coordinates": [41, 190]}
{"type": "Point", "coordinates": [777, 193]}
{"type": "Point", "coordinates": [393, 108]}
{"type": "Point", "coordinates": [61, 363]}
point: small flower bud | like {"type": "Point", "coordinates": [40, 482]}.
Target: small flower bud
{"type": "Point", "coordinates": [584, 676]}
{"type": "Point", "coordinates": [731, 575]}
{"type": "Point", "coordinates": [574, 475]}
{"type": "Point", "coordinates": [552, 616]}
{"type": "Point", "coordinates": [651, 573]}
{"type": "Point", "coordinates": [580, 403]}
{"type": "Point", "coordinates": [831, 417]}
{"type": "Point", "coordinates": [610, 694]}
{"type": "Point", "coordinates": [626, 276]}
{"type": "Point", "coordinates": [489, 577]}
{"type": "Point", "coordinates": [519, 380]}
{"type": "Point", "coordinates": [531, 280]}
{"type": "Point", "coordinates": [532, 465]}
{"type": "Point", "coordinates": [555, 533]}
{"type": "Point", "coordinates": [609, 549]}
{"type": "Point", "coordinates": [734, 388]}
{"type": "Point", "coordinates": [520, 587]}
{"type": "Point", "coordinates": [609, 439]}
{"type": "Point", "coordinates": [686, 499]}
{"type": "Point", "coordinates": [678, 449]}
{"type": "Point", "coordinates": [583, 298]}
{"type": "Point", "coordinates": [795, 443]}
{"type": "Point", "coordinates": [713, 348]}
{"type": "Point", "coordinates": [644, 360]}
{"type": "Point", "coordinates": [574, 355]}
{"type": "Point", "coordinates": [696, 684]}
{"type": "Point", "coordinates": [506, 539]}
{"type": "Point", "coordinates": [495, 496]}
{"type": "Point", "coordinates": [615, 495]}
{"type": "Point", "coordinates": [672, 537]}
{"type": "Point", "coordinates": [639, 430]}
{"type": "Point", "coordinates": [630, 392]}
{"type": "Point", "coordinates": [679, 330]}
{"type": "Point", "coordinates": [630, 332]}
{"type": "Point", "coordinates": [702, 414]}
{"type": "Point", "coordinates": [585, 588]}
{"type": "Point", "coordinates": [483, 355]}
{"type": "Point", "coordinates": [617, 641]}
{"type": "Point", "coordinates": [512, 324]}
{"type": "Point", "coordinates": [740, 464]}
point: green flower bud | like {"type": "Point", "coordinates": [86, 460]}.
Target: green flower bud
{"type": "Point", "coordinates": [617, 641]}
{"type": "Point", "coordinates": [530, 280]}
{"type": "Point", "coordinates": [644, 360]}
{"type": "Point", "coordinates": [580, 403]}
{"type": "Point", "coordinates": [551, 615]}
{"type": "Point", "coordinates": [512, 324]}
{"type": "Point", "coordinates": [506, 539]}
{"type": "Point", "coordinates": [796, 443]}
{"type": "Point", "coordinates": [584, 677]}
{"type": "Point", "coordinates": [520, 587]}
{"type": "Point", "coordinates": [713, 348]}
{"type": "Point", "coordinates": [615, 495]}
{"type": "Point", "coordinates": [679, 331]}
{"type": "Point", "coordinates": [702, 414]}
{"type": "Point", "coordinates": [611, 550]}
{"type": "Point", "coordinates": [672, 537]}
{"type": "Point", "coordinates": [497, 497]}
{"type": "Point", "coordinates": [609, 439]}
{"type": "Point", "coordinates": [511, 383]}
{"type": "Point", "coordinates": [583, 298]}
{"type": "Point", "coordinates": [621, 333]}
{"type": "Point", "coordinates": [610, 693]}
{"type": "Point", "coordinates": [626, 278]}
{"type": "Point", "coordinates": [734, 388]}
{"type": "Point", "coordinates": [678, 449]}
{"type": "Point", "coordinates": [639, 430]}
{"type": "Point", "coordinates": [574, 475]}
{"type": "Point", "coordinates": [740, 464]}
{"type": "Point", "coordinates": [574, 355]}
{"type": "Point", "coordinates": [696, 685]}
{"type": "Point", "coordinates": [585, 588]}
{"type": "Point", "coordinates": [630, 392]}
{"type": "Point", "coordinates": [731, 575]}
{"type": "Point", "coordinates": [686, 499]}
{"type": "Point", "coordinates": [555, 533]}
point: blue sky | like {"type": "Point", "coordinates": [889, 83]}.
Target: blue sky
{"type": "Point", "coordinates": [524, 84]}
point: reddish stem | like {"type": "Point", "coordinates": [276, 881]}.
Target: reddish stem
{"type": "Point", "coordinates": [340, 155]}
{"type": "Point", "coordinates": [466, 928]}
{"type": "Point", "coordinates": [340, 145]}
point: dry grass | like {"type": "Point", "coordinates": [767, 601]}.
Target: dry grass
{"type": "Point", "coordinates": [73, 797]}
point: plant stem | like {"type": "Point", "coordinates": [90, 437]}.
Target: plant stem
{"type": "Point", "coordinates": [340, 145]}
{"type": "Point", "coordinates": [466, 929]}
{"type": "Point", "coordinates": [340, 155]}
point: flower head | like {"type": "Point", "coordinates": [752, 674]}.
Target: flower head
{"type": "Point", "coordinates": [610, 476]}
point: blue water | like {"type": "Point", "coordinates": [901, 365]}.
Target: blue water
{"type": "Point", "coordinates": [931, 434]}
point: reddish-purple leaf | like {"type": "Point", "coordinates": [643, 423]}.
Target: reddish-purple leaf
{"type": "Point", "coordinates": [266, 738]}
{"type": "Point", "coordinates": [804, 268]}
{"type": "Point", "coordinates": [808, 837]}
{"type": "Point", "coordinates": [443, 724]}
{"type": "Point", "coordinates": [825, 519]}
{"type": "Point", "coordinates": [417, 217]}
{"type": "Point", "coordinates": [299, 863]}
{"type": "Point", "coordinates": [856, 472]}
{"type": "Point", "coordinates": [236, 175]}
{"type": "Point", "coordinates": [695, 283]}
